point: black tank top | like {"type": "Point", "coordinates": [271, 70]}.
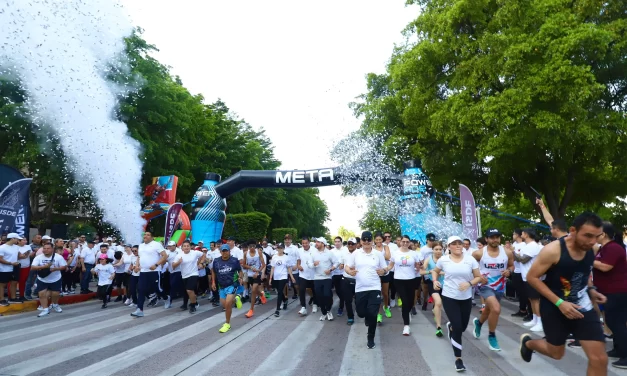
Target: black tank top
{"type": "Point", "coordinates": [568, 279]}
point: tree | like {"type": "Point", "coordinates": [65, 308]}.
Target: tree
{"type": "Point", "coordinates": [345, 234]}
{"type": "Point", "coordinates": [504, 96]}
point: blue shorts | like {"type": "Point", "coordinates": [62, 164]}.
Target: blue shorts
{"type": "Point", "coordinates": [231, 290]}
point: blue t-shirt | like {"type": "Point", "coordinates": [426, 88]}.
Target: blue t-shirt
{"type": "Point", "coordinates": [226, 271]}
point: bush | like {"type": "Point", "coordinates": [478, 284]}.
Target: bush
{"type": "Point", "coordinates": [279, 233]}
{"type": "Point", "coordinates": [246, 226]}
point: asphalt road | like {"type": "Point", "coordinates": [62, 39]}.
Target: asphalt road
{"type": "Point", "coordinates": [86, 340]}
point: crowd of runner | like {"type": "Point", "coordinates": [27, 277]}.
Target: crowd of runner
{"type": "Point", "coordinates": [553, 281]}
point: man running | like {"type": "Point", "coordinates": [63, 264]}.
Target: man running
{"type": "Point", "coordinates": [324, 262]}
{"type": "Point", "coordinates": [528, 254]}
{"type": "Point", "coordinates": [348, 281]}
{"type": "Point", "coordinates": [227, 276]}
{"type": "Point", "coordinates": [567, 296]}
{"type": "Point", "coordinates": [306, 276]}
{"type": "Point", "coordinates": [151, 256]}
{"type": "Point", "coordinates": [495, 265]}
{"type": "Point", "coordinates": [336, 276]}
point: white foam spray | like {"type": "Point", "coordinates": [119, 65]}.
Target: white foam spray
{"type": "Point", "coordinates": [61, 52]}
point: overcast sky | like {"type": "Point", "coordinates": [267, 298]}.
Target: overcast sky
{"type": "Point", "coordinates": [290, 67]}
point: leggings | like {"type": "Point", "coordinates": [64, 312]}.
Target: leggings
{"type": "Point", "coordinates": [393, 288]}
{"type": "Point", "coordinates": [132, 288]}
{"type": "Point", "coordinates": [367, 306]}
{"type": "Point", "coordinates": [203, 284]}
{"type": "Point", "coordinates": [348, 292]}
{"type": "Point", "coordinates": [324, 294]}
{"type": "Point", "coordinates": [147, 284]}
{"type": "Point", "coordinates": [521, 293]}
{"type": "Point", "coordinates": [458, 313]}
{"type": "Point", "coordinates": [103, 293]}
{"type": "Point", "coordinates": [24, 272]}
{"type": "Point", "coordinates": [279, 284]}
{"type": "Point", "coordinates": [615, 317]}
{"type": "Point", "coordinates": [303, 285]}
{"type": "Point", "coordinates": [176, 285]}
{"type": "Point", "coordinates": [66, 280]}
{"type": "Point", "coordinates": [337, 285]}
{"type": "Point", "coordinates": [406, 291]}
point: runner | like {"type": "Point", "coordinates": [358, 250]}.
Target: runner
{"type": "Point", "coordinates": [338, 250]}
{"type": "Point", "coordinates": [186, 262]}
{"type": "Point", "coordinates": [567, 294]}
{"type": "Point", "coordinates": [461, 274]}
{"type": "Point", "coordinates": [227, 276]}
{"type": "Point", "coordinates": [385, 279]}
{"type": "Point", "coordinates": [348, 281]}
{"type": "Point", "coordinates": [292, 251]}
{"type": "Point", "coordinates": [324, 262]}
{"type": "Point", "coordinates": [105, 273]}
{"type": "Point", "coordinates": [427, 266]}
{"type": "Point", "coordinates": [524, 307]}
{"type": "Point", "coordinates": [426, 251]}
{"type": "Point", "coordinates": [496, 265]}
{"type": "Point", "coordinates": [176, 279]}
{"type": "Point", "coordinates": [151, 256]}
{"type": "Point", "coordinates": [387, 240]}
{"type": "Point", "coordinates": [281, 269]}
{"type": "Point", "coordinates": [367, 266]}
{"type": "Point", "coordinates": [306, 276]}
{"type": "Point", "coordinates": [255, 267]}
{"type": "Point", "coordinates": [405, 262]}
{"type": "Point", "coordinates": [48, 268]}
{"type": "Point", "coordinates": [528, 254]}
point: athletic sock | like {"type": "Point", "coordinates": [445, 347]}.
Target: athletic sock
{"type": "Point", "coordinates": [491, 334]}
{"type": "Point", "coordinates": [536, 319]}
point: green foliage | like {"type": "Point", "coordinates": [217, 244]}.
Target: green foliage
{"type": "Point", "coordinates": [243, 227]}
{"type": "Point", "coordinates": [345, 233]}
{"type": "Point", "coordinates": [373, 221]}
{"type": "Point", "coordinates": [507, 95]}
{"type": "Point", "coordinates": [279, 233]}
{"type": "Point", "coordinates": [77, 229]}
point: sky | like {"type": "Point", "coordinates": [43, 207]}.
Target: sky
{"type": "Point", "coordinates": [289, 67]}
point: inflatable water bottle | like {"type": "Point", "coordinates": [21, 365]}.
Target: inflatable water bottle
{"type": "Point", "coordinates": [417, 203]}
{"type": "Point", "coordinates": [208, 212]}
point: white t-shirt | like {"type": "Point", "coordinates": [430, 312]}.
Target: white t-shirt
{"type": "Point", "coordinates": [127, 259]}
{"type": "Point", "coordinates": [172, 257]}
{"type": "Point", "coordinates": [405, 264]}
{"type": "Point", "coordinates": [189, 266]}
{"type": "Point", "coordinates": [120, 268]}
{"type": "Point", "coordinates": [517, 247]}
{"type": "Point", "coordinates": [366, 265]}
{"type": "Point", "coordinates": [237, 253]}
{"type": "Point", "coordinates": [393, 247]}
{"type": "Point", "coordinates": [305, 257]}
{"type": "Point", "coordinates": [25, 262]}
{"type": "Point", "coordinates": [456, 273]}
{"type": "Point", "coordinates": [104, 273]}
{"type": "Point", "coordinates": [338, 255]}
{"type": "Point", "coordinates": [58, 262]}
{"type": "Point", "coordinates": [326, 260]}
{"type": "Point", "coordinates": [292, 252]}
{"type": "Point", "coordinates": [343, 259]}
{"type": "Point", "coordinates": [426, 252]}
{"type": "Point", "coordinates": [9, 253]}
{"type": "Point", "coordinates": [133, 262]}
{"type": "Point", "coordinates": [280, 265]}
{"type": "Point", "coordinates": [149, 254]}
{"type": "Point", "coordinates": [88, 255]}
{"type": "Point", "coordinates": [212, 255]}
{"type": "Point", "coordinates": [529, 249]}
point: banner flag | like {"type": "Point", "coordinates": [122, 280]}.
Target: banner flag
{"type": "Point", "coordinates": [172, 218]}
{"type": "Point", "coordinates": [469, 214]}
{"type": "Point", "coordinates": [14, 206]}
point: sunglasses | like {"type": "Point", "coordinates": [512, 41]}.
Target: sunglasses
{"type": "Point", "coordinates": [224, 250]}
{"type": "Point", "coordinates": [366, 240]}
{"type": "Point", "coordinates": [387, 236]}
{"type": "Point", "coordinates": [349, 243]}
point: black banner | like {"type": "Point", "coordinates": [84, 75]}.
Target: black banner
{"type": "Point", "coordinates": [14, 205]}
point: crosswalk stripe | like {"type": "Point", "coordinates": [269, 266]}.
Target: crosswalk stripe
{"type": "Point", "coordinates": [65, 354]}
{"type": "Point", "coordinates": [201, 363]}
{"type": "Point", "coordinates": [140, 353]}
{"type": "Point", "coordinates": [358, 360]}
{"type": "Point", "coordinates": [32, 317]}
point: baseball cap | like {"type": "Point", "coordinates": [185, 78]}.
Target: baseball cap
{"type": "Point", "coordinates": [431, 237]}
{"type": "Point", "coordinates": [366, 235]}
{"type": "Point", "coordinates": [225, 247]}
{"type": "Point", "coordinates": [200, 241]}
{"type": "Point", "coordinates": [109, 238]}
{"type": "Point", "coordinates": [492, 232]}
{"type": "Point", "coordinates": [352, 240]}
{"type": "Point", "coordinates": [230, 238]}
{"type": "Point", "coordinates": [453, 239]}
{"type": "Point", "coordinates": [46, 237]}
{"type": "Point", "coordinates": [13, 235]}
{"type": "Point", "coordinates": [102, 256]}
{"type": "Point", "coordinates": [171, 243]}
{"type": "Point", "coordinates": [322, 240]}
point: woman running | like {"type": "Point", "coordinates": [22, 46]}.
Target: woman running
{"type": "Point", "coordinates": [428, 265]}
{"type": "Point", "coordinates": [281, 269]}
{"type": "Point", "coordinates": [405, 262]}
{"type": "Point", "coordinates": [255, 266]}
{"type": "Point", "coordinates": [461, 273]}
{"type": "Point", "coordinates": [385, 279]}
{"type": "Point", "coordinates": [106, 273]}
{"type": "Point", "coordinates": [190, 262]}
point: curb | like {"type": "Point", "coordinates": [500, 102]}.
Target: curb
{"type": "Point", "coordinates": [32, 305]}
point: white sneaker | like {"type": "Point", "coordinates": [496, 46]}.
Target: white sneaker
{"type": "Point", "coordinates": [303, 311]}
{"type": "Point", "coordinates": [168, 303]}
{"type": "Point", "coordinates": [127, 301]}
{"type": "Point", "coordinates": [531, 323]}
{"type": "Point", "coordinates": [44, 312]}
{"type": "Point", "coordinates": [537, 328]}
{"type": "Point", "coordinates": [39, 308]}
{"type": "Point", "coordinates": [132, 305]}
{"type": "Point", "coordinates": [197, 303]}
{"type": "Point", "coordinates": [57, 308]}
{"type": "Point", "coordinates": [314, 309]}
{"type": "Point", "coordinates": [329, 316]}
{"type": "Point", "coordinates": [392, 303]}
{"type": "Point", "coordinates": [406, 330]}
{"type": "Point", "coordinates": [323, 317]}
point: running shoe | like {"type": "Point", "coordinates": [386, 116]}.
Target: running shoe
{"type": "Point", "coordinates": [15, 301]}
{"type": "Point", "coordinates": [399, 302]}
{"type": "Point", "coordinates": [303, 311]}
{"type": "Point", "coordinates": [183, 307]}
{"type": "Point", "coordinates": [620, 363]}
{"type": "Point", "coordinates": [371, 344]}
{"type": "Point", "coordinates": [387, 311]}
{"type": "Point", "coordinates": [104, 305]}
{"type": "Point", "coordinates": [537, 328]}
{"type": "Point", "coordinates": [493, 343]}
{"type": "Point", "coordinates": [192, 308]}
{"type": "Point", "coordinates": [263, 299]}
{"type": "Point", "coordinates": [118, 299]}
{"type": "Point", "coordinates": [284, 305]}
{"type": "Point", "coordinates": [314, 309]}
{"type": "Point", "coordinates": [276, 314]}
{"type": "Point", "coordinates": [215, 304]}
{"type": "Point", "coordinates": [238, 302]}
{"type": "Point", "coordinates": [379, 319]}
{"type": "Point", "coordinates": [267, 294]}
{"type": "Point", "coordinates": [350, 322]}
{"type": "Point", "coordinates": [430, 301]}
{"type": "Point", "coordinates": [613, 354]}
{"type": "Point", "coordinates": [424, 306]}
{"type": "Point", "coordinates": [340, 312]}
{"type": "Point", "coordinates": [519, 314]}
{"type": "Point", "coordinates": [153, 302]}
{"type": "Point", "coordinates": [40, 308]}
{"type": "Point", "coordinates": [4, 303]}
{"type": "Point", "coordinates": [525, 352]}
{"type": "Point", "coordinates": [392, 303]}
{"type": "Point", "coordinates": [413, 311]}
{"type": "Point", "coordinates": [459, 365]}
{"type": "Point", "coordinates": [295, 297]}
{"type": "Point", "coordinates": [138, 313]}
{"type": "Point", "coordinates": [132, 305]}
{"type": "Point", "coordinates": [477, 328]}
{"type": "Point", "coordinates": [168, 303]}
{"type": "Point", "coordinates": [323, 317]}
{"type": "Point", "coordinates": [329, 316]}
{"type": "Point", "coordinates": [438, 332]}
{"type": "Point", "coordinates": [127, 302]}
{"type": "Point", "coordinates": [530, 323]}
{"type": "Point", "coordinates": [225, 328]}
{"type": "Point", "coordinates": [57, 308]}
{"type": "Point", "coordinates": [406, 330]}
{"type": "Point", "coordinates": [250, 313]}
{"type": "Point", "coordinates": [44, 312]}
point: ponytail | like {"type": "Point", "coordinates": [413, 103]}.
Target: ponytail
{"type": "Point", "coordinates": [610, 231]}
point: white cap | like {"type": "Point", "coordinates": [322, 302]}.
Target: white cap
{"type": "Point", "coordinates": [46, 237]}
{"type": "Point", "coordinates": [171, 243]}
{"type": "Point", "coordinates": [13, 235]}
{"type": "Point", "coordinates": [109, 238]}
{"type": "Point", "coordinates": [200, 241]}
{"type": "Point", "coordinates": [452, 239]}
{"type": "Point", "coordinates": [322, 240]}
{"type": "Point", "coordinates": [352, 240]}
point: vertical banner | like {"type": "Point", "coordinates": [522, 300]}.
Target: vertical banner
{"type": "Point", "coordinates": [14, 205]}
{"type": "Point", "coordinates": [470, 227]}
{"type": "Point", "coordinates": [172, 219]}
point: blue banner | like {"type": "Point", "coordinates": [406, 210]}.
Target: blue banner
{"type": "Point", "coordinates": [14, 205]}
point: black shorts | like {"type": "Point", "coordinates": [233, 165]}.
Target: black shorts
{"type": "Point", "coordinates": [6, 277]}
{"type": "Point", "coordinates": [385, 278]}
{"type": "Point", "coordinates": [52, 286]}
{"type": "Point", "coordinates": [120, 278]}
{"type": "Point", "coordinates": [252, 280]}
{"type": "Point", "coordinates": [557, 327]}
{"type": "Point", "coordinates": [531, 292]}
{"type": "Point", "coordinates": [190, 283]}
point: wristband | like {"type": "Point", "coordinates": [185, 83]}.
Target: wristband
{"type": "Point", "coordinates": [558, 302]}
